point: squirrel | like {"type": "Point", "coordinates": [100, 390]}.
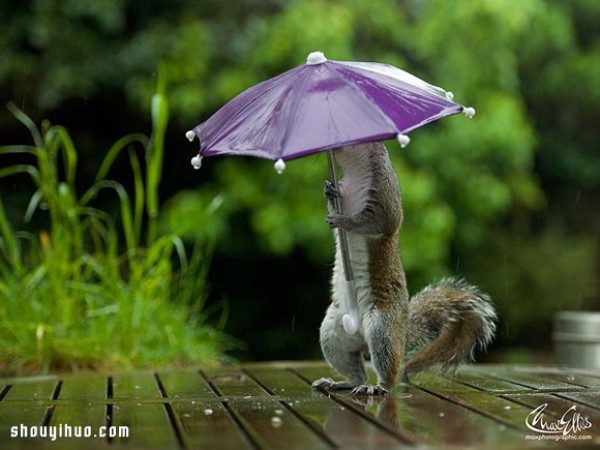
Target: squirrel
{"type": "Point", "coordinates": [441, 326]}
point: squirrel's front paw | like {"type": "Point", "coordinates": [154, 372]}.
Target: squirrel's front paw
{"type": "Point", "coordinates": [368, 389]}
{"type": "Point", "coordinates": [330, 191]}
{"type": "Point", "coordinates": [334, 220]}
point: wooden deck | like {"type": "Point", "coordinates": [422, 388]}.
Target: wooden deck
{"type": "Point", "coordinates": [273, 406]}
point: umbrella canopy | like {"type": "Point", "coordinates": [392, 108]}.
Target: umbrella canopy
{"type": "Point", "coordinates": [322, 105]}
{"type": "Point", "coordinates": [319, 106]}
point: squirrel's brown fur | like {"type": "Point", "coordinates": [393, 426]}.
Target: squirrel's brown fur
{"type": "Point", "coordinates": [441, 326]}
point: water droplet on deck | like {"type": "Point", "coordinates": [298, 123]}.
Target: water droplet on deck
{"type": "Point", "coordinates": [507, 407]}
{"type": "Point", "coordinates": [276, 421]}
{"type": "Point", "coordinates": [208, 412]}
{"type": "Point", "coordinates": [442, 414]}
{"type": "Point", "coordinates": [279, 412]}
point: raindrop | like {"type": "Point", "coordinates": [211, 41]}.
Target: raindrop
{"type": "Point", "coordinates": [276, 421]}
{"type": "Point", "coordinates": [507, 407]}
{"type": "Point", "coordinates": [279, 412]}
{"type": "Point", "coordinates": [442, 414]}
{"type": "Point", "coordinates": [190, 135]}
{"type": "Point", "coordinates": [208, 412]}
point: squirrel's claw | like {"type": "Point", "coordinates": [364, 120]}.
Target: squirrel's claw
{"type": "Point", "coordinates": [330, 191]}
{"type": "Point", "coordinates": [368, 389]}
{"type": "Point", "coordinates": [333, 220]}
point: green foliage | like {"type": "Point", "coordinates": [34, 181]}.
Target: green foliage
{"type": "Point", "coordinates": [529, 68]}
{"type": "Point", "coordinates": [77, 294]}
{"type": "Point", "coordinates": [549, 273]}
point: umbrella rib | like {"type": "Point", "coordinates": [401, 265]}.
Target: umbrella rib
{"type": "Point", "coordinates": [339, 68]}
{"type": "Point", "coordinates": [294, 101]}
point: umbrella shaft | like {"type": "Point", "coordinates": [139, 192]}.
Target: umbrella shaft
{"type": "Point", "coordinates": [343, 238]}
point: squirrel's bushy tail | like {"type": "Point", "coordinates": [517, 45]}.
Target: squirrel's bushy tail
{"type": "Point", "coordinates": [448, 320]}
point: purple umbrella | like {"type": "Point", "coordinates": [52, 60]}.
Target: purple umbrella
{"type": "Point", "coordinates": [319, 106]}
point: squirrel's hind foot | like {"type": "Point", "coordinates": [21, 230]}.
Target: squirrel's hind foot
{"type": "Point", "coordinates": [369, 389]}
{"type": "Point", "coordinates": [327, 384]}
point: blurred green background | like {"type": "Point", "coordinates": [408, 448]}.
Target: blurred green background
{"type": "Point", "coordinates": [509, 199]}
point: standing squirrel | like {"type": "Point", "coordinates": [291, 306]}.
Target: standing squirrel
{"type": "Point", "coordinates": [441, 326]}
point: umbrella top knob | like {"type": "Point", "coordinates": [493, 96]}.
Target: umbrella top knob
{"type": "Point", "coordinates": [315, 58]}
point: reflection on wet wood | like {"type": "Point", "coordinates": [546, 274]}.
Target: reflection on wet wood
{"type": "Point", "coordinates": [273, 406]}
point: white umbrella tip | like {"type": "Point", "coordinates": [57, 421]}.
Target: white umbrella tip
{"type": "Point", "coordinates": [469, 112]}
{"type": "Point", "coordinates": [449, 95]}
{"type": "Point", "coordinates": [349, 324]}
{"type": "Point", "coordinates": [403, 139]}
{"type": "Point", "coordinates": [190, 135]}
{"type": "Point", "coordinates": [197, 162]}
{"type": "Point", "coordinates": [279, 166]}
{"type": "Point", "coordinates": [315, 58]}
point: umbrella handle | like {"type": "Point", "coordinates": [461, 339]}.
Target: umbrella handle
{"type": "Point", "coordinates": [350, 320]}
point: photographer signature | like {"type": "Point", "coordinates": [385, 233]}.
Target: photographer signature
{"type": "Point", "coordinates": [571, 421]}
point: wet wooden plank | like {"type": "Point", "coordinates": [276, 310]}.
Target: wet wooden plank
{"type": "Point", "coordinates": [533, 379]}
{"type": "Point", "coordinates": [137, 405]}
{"type": "Point", "coordinates": [427, 418]}
{"type": "Point", "coordinates": [80, 425]}
{"type": "Point", "coordinates": [497, 408]}
{"type": "Point", "coordinates": [206, 423]}
{"type": "Point", "coordinates": [31, 390]}
{"type": "Point", "coordinates": [442, 422]}
{"type": "Point", "coordinates": [148, 424]}
{"type": "Point", "coordinates": [200, 414]}
{"type": "Point", "coordinates": [128, 386]}
{"type": "Point", "coordinates": [273, 406]}
{"type": "Point", "coordinates": [233, 382]}
{"type": "Point", "coordinates": [482, 381]}
{"type": "Point", "coordinates": [14, 414]}
{"type": "Point", "coordinates": [265, 419]}
{"type": "Point", "coordinates": [270, 425]}
{"type": "Point", "coordinates": [87, 388]}
{"type": "Point", "coordinates": [185, 384]}
{"type": "Point", "coordinates": [342, 422]}
{"type": "Point", "coordinates": [587, 398]}
{"type": "Point", "coordinates": [556, 406]}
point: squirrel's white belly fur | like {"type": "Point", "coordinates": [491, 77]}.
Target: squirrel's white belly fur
{"type": "Point", "coordinates": [354, 191]}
